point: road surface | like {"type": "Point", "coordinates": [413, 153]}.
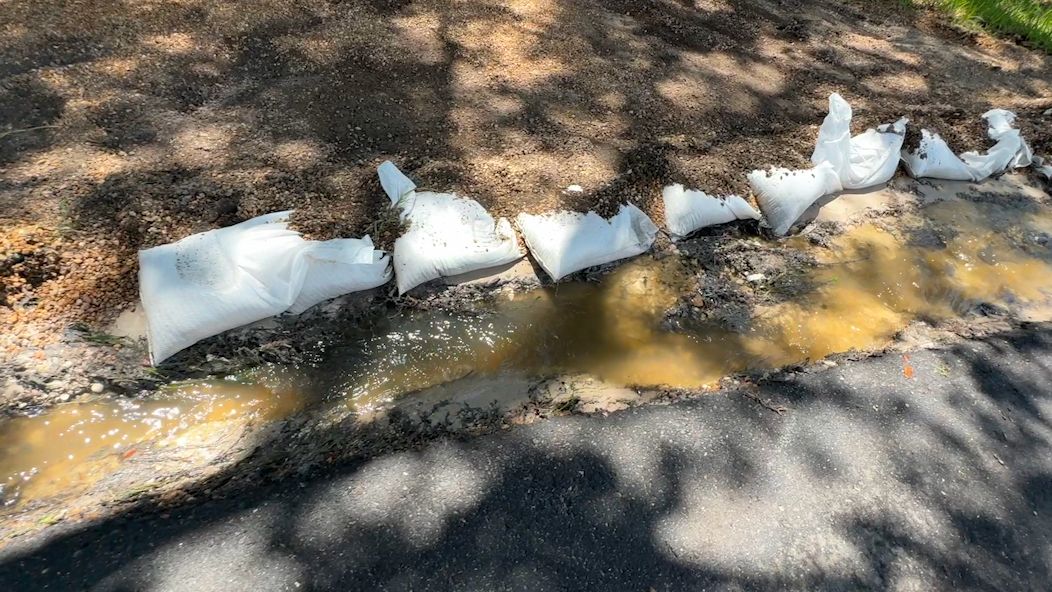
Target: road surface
{"type": "Point", "coordinates": [870, 480]}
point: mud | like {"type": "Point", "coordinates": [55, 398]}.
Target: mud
{"type": "Point", "coordinates": [896, 274]}
{"type": "Point", "coordinates": [122, 129]}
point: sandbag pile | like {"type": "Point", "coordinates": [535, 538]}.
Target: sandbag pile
{"type": "Point", "coordinates": [448, 234]}
{"type": "Point", "coordinates": [688, 210]}
{"type": "Point", "coordinates": [934, 158]}
{"type": "Point", "coordinates": [214, 281]}
{"type": "Point", "coordinates": [841, 161]}
{"type": "Point", "coordinates": [565, 242]}
{"type": "Point", "coordinates": [221, 279]}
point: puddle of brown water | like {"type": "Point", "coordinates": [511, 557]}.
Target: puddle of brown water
{"type": "Point", "coordinates": [869, 285]}
{"type": "Point", "coordinates": [74, 445]}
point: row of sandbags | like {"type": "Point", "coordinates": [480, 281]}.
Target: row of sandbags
{"type": "Point", "coordinates": [842, 161]}
{"type": "Point", "coordinates": [214, 281]}
{"type": "Point", "coordinates": [218, 280]}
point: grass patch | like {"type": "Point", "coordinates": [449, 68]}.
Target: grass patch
{"type": "Point", "coordinates": [1029, 20]}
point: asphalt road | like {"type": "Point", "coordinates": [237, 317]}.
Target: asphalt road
{"type": "Point", "coordinates": [870, 480]}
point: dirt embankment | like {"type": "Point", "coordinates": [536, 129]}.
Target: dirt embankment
{"type": "Point", "coordinates": [123, 126]}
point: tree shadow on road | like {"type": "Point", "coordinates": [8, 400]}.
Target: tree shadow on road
{"type": "Point", "coordinates": [937, 481]}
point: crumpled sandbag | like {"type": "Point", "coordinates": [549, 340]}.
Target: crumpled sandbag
{"type": "Point", "coordinates": [1010, 151]}
{"type": "Point", "coordinates": [865, 160]}
{"type": "Point", "coordinates": [934, 158]}
{"type": "Point", "coordinates": [690, 210]}
{"type": "Point", "coordinates": [784, 194]}
{"type": "Point", "coordinates": [565, 242]}
{"type": "Point", "coordinates": [841, 162]}
{"type": "Point", "coordinates": [448, 234]}
{"type": "Point", "coordinates": [214, 281]}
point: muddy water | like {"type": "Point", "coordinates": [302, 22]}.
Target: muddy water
{"type": "Point", "coordinates": [869, 284]}
{"type": "Point", "coordinates": [72, 446]}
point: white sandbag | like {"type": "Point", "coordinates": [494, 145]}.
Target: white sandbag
{"type": "Point", "coordinates": [448, 234]}
{"type": "Point", "coordinates": [565, 242]}
{"type": "Point", "coordinates": [934, 159]}
{"type": "Point", "coordinates": [396, 185]}
{"type": "Point", "coordinates": [689, 210]}
{"type": "Point", "coordinates": [784, 194]}
{"type": "Point", "coordinates": [214, 281]}
{"type": "Point", "coordinates": [337, 267]}
{"type": "Point", "coordinates": [865, 160]}
{"type": "Point", "coordinates": [1009, 151]}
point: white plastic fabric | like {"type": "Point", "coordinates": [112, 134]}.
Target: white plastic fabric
{"type": "Point", "coordinates": [214, 281]}
{"type": "Point", "coordinates": [1008, 151]}
{"type": "Point", "coordinates": [865, 160]}
{"type": "Point", "coordinates": [784, 194]}
{"type": "Point", "coordinates": [934, 158]}
{"type": "Point", "coordinates": [687, 210]}
{"type": "Point", "coordinates": [448, 234]}
{"type": "Point", "coordinates": [565, 242]}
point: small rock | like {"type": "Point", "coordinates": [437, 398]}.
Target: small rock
{"type": "Point", "coordinates": [755, 277]}
{"type": "Point", "coordinates": [96, 387]}
{"type": "Point", "coordinates": [575, 189]}
{"type": "Point", "coordinates": [1048, 112]}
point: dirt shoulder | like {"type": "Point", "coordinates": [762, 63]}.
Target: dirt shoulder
{"type": "Point", "coordinates": [123, 127]}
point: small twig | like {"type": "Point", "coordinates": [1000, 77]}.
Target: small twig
{"type": "Point", "coordinates": [27, 129]}
{"type": "Point", "coordinates": [780, 410]}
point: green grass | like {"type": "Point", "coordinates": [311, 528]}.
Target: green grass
{"type": "Point", "coordinates": [1030, 20]}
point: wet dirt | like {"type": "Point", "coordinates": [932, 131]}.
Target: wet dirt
{"type": "Point", "coordinates": [580, 345]}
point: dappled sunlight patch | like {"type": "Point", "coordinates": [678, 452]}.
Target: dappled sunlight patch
{"type": "Point", "coordinates": [887, 49]}
{"type": "Point", "coordinates": [174, 43]}
{"type": "Point", "coordinates": [299, 154]}
{"type": "Point", "coordinates": [258, 565]}
{"type": "Point", "coordinates": [203, 144]}
{"type": "Point", "coordinates": [739, 86]}
{"type": "Point", "coordinates": [899, 83]}
{"type": "Point", "coordinates": [422, 35]}
{"type": "Point", "coordinates": [426, 490]}
{"type": "Point", "coordinates": [512, 51]}
{"type": "Point", "coordinates": [69, 161]}
{"type": "Point", "coordinates": [117, 67]}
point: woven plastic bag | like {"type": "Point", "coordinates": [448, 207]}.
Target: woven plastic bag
{"type": "Point", "coordinates": [565, 242]}
{"type": "Point", "coordinates": [218, 280]}
{"type": "Point", "coordinates": [934, 159]}
{"type": "Point", "coordinates": [861, 161]}
{"type": "Point", "coordinates": [448, 234]}
{"type": "Point", "coordinates": [687, 210]}
{"type": "Point", "coordinates": [784, 195]}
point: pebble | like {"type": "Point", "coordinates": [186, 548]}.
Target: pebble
{"type": "Point", "coordinates": [96, 387]}
{"type": "Point", "coordinates": [755, 277]}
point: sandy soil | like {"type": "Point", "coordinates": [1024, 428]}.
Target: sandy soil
{"type": "Point", "coordinates": [126, 125]}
